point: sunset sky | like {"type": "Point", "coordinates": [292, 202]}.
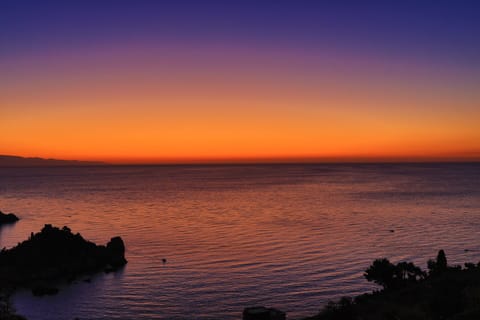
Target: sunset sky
{"type": "Point", "coordinates": [179, 81]}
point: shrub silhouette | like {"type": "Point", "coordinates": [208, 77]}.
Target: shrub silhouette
{"type": "Point", "coordinates": [342, 310]}
{"type": "Point", "coordinates": [408, 272]}
{"type": "Point", "coordinates": [382, 272]}
{"type": "Point", "coordinates": [388, 275]}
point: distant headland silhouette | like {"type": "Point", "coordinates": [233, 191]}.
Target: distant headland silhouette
{"type": "Point", "coordinates": [16, 161]}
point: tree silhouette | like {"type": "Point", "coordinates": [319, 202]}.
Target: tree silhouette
{"type": "Point", "coordinates": [439, 265]}
{"type": "Point", "coordinates": [382, 272]}
{"type": "Point", "coordinates": [441, 260]}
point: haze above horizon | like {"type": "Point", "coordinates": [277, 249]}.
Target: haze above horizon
{"type": "Point", "coordinates": [211, 81]}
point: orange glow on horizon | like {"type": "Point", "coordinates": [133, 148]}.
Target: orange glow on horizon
{"type": "Point", "coordinates": [255, 108]}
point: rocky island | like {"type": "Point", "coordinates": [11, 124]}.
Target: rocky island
{"type": "Point", "coordinates": [51, 256]}
{"type": "Point", "coordinates": [55, 254]}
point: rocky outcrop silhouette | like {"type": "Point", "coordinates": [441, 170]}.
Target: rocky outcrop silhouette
{"type": "Point", "coordinates": [7, 218]}
{"type": "Point", "coordinates": [263, 313]}
{"type": "Point", "coordinates": [56, 254]}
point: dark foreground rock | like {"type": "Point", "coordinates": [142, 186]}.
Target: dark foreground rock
{"type": "Point", "coordinates": [262, 313]}
{"type": "Point", "coordinates": [6, 310]}
{"type": "Point", "coordinates": [44, 290]}
{"type": "Point", "coordinates": [53, 255]}
{"type": "Point", "coordinates": [7, 218]}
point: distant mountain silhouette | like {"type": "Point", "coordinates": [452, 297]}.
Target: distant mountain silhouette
{"type": "Point", "coordinates": [14, 161]}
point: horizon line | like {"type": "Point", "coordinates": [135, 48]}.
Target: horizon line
{"type": "Point", "coordinates": [257, 160]}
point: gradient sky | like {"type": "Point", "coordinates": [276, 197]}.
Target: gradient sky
{"type": "Point", "coordinates": [151, 81]}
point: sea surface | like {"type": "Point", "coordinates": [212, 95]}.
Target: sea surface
{"type": "Point", "coordinates": [285, 236]}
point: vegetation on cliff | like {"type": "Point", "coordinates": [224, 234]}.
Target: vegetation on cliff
{"type": "Point", "coordinates": [442, 292]}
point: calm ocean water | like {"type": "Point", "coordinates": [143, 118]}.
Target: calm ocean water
{"type": "Point", "coordinates": [285, 236]}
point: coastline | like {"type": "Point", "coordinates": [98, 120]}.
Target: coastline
{"type": "Point", "coordinates": [442, 292]}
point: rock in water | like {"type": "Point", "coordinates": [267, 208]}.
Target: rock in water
{"type": "Point", "coordinates": [116, 252]}
{"type": "Point", "coordinates": [7, 218]}
{"type": "Point", "coordinates": [56, 254]}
